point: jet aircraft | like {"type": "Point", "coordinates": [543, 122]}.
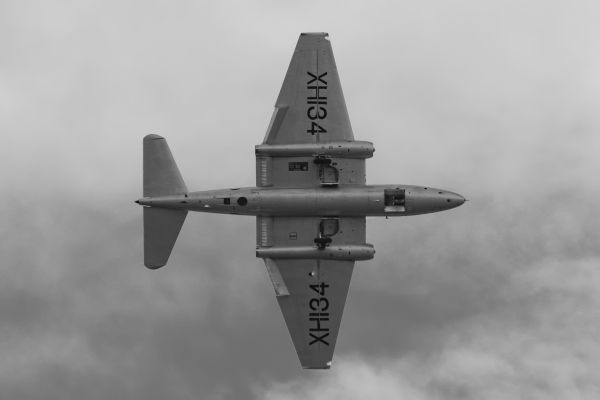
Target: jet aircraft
{"type": "Point", "coordinates": [310, 200]}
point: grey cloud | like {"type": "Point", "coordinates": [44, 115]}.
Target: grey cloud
{"type": "Point", "coordinates": [537, 342]}
{"type": "Point", "coordinates": [496, 299]}
{"type": "Point", "coordinates": [99, 324]}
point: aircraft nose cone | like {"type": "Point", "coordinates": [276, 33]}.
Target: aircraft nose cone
{"type": "Point", "coordinates": [426, 200]}
{"type": "Point", "coordinates": [454, 200]}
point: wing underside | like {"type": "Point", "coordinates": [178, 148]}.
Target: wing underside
{"type": "Point", "coordinates": [308, 171]}
{"type": "Point", "coordinates": [310, 107]}
{"type": "Point", "coordinates": [310, 144]}
{"type": "Point", "coordinates": [311, 295]}
{"type": "Point", "coordinates": [311, 292]}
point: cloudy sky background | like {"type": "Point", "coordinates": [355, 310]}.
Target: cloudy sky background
{"type": "Point", "coordinates": [497, 101]}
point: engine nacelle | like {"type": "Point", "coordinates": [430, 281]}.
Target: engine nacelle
{"type": "Point", "coordinates": [332, 252]}
{"type": "Point", "coordinates": [354, 149]}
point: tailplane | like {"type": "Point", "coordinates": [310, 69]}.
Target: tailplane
{"type": "Point", "coordinates": [161, 175]}
{"type": "Point", "coordinates": [161, 178]}
{"type": "Point", "coordinates": [161, 228]}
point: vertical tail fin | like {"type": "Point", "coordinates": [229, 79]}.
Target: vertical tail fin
{"type": "Point", "coordinates": [161, 178]}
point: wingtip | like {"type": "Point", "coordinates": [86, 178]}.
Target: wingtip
{"type": "Point", "coordinates": [153, 266]}
{"type": "Point", "coordinates": [322, 366]}
{"type": "Point", "coordinates": [313, 40]}
{"type": "Point", "coordinates": [325, 34]}
{"type": "Point", "coordinates": [152, 136]}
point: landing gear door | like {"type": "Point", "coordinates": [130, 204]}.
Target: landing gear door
{"type": "Point", "coordinates": [395, 200]}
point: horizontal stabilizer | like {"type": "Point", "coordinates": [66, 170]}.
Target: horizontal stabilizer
{"type": "Point", "coordinates": [161, 228]}
{"type": "Point", "coordinates": [161, 175]}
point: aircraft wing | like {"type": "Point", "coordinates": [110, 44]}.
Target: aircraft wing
{"type": "Point", "coordinates": [311, 292]}
{"type": "Point", "coordinates": [311, 112]}
{"type": "Point", "coordinates": [310, 107]}
{"type": "Point", "coordinates": [312, 300]}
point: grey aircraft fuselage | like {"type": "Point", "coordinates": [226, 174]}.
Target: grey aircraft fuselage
{"type": "Point", "coordinates": [323, 202]}
{"type": "Point", "coordinates": [346, 201]}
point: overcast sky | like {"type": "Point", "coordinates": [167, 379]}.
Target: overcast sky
{"type": "Point", "coordinates": [498, 299]}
